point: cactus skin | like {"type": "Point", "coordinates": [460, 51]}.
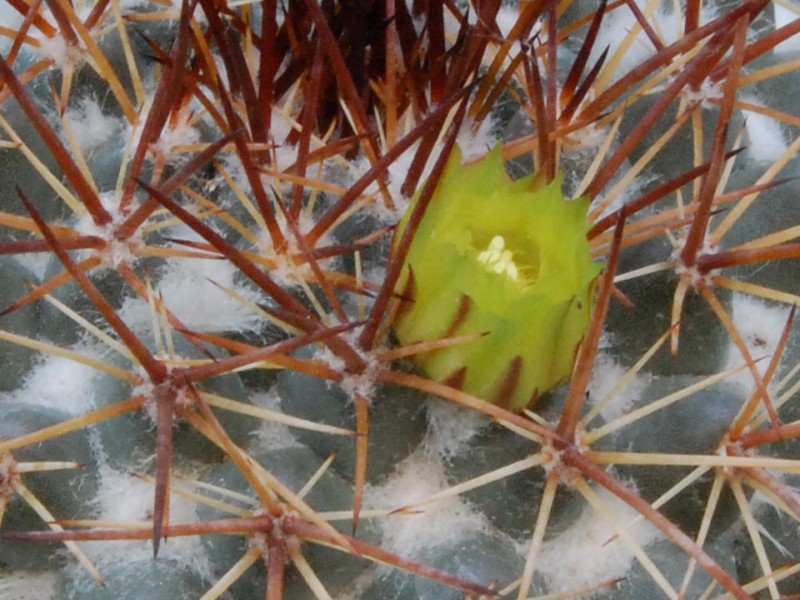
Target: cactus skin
{"type": "Point", "coordinates": [481, 263]}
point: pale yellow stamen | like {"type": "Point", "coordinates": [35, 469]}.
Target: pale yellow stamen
{"type": "Point", "coordinates": [499, 260]}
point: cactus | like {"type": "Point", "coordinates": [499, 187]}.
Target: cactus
{"type": "Point", "coordinates": [208, 213]}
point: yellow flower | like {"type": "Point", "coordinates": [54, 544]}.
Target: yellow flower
{"type": "Point", "coordinates": [505, 258]}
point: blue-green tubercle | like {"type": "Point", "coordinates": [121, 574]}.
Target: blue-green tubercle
{"type": "Point", "coordinates": [506, 258]}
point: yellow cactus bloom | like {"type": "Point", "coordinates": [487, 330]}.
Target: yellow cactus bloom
{"type": "Point", "coordinates": [505, 258]}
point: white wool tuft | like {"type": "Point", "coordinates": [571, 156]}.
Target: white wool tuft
{"type": "Point", "coordinates": [614, 29]}
{"type": "Point", "coordinates": [618, 23]}
{"type": "Point", "coordinates": [476, 144]}
{"type": "Point", "coordinates": [173, 135]}
{"type": "Point", "coordinates": [631, 191]}
{"type": "Point", "coordinates": [765, 137]}
{"type": "Point", "coordinates": [271, 436]}
{"type": "Point", "coordinates": [115, 252]}
{"type": "Point", "coordinates": [280, 126]}
{"type": "Point", "coordinates": [60, 52]}
{"type": "Point", "coordinates": [451, 427]}
{"type": "Point", "coordinates": [607, 372]}
{"type": "Point", "coordinates": [361, 384]}
{"type": "Point", "coordinates": [182, 133]}
{"type": "Point", "coordinates": [193, 290]}
{"type": "Point", "coordinates": [285, 271]}
{"type": "Point", "coordinates": [62, 383]}
{"type": "Point", "coordinates": [760, 325]}
{"type": "Point", "coordinates": [582, 555]}
{"type": "Point", "coordinates": [415, 479]}
{"type": "Point", "coordinates": [703, 94]}
{"type": "Point", "coordinates": [397, 172]}
{"type": "Point", "coordinates": [126, 499]}
{"type": "Point", "coordinates": [90, 126]}
{"type": "Point", "coordinates": [285, 153]}
{"type": "Point", "coordinates": [586, 138]}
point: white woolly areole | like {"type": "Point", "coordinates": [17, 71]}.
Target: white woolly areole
{"type": "Point", "coordinates": [361, 384]}
{"type": "Point", "coordinates": [28, 585]}
{"type": "Point", "coordinates": [61, 383]}
{"type": "Point", "coordinates": [115, 252]}
{"type": "Point", "coordinates": [618, 23]}
{"type": "Point", "coordinates": [766, 141]}
{"type": "Point", "coordinates": [414, 480]}
{"type": "Point", "coordinates": [629, 193]}
{"type": "Point", "coordinates": [90, 126]}
{"type": "Point", "coordinates": [271, 436]}
{"type": "Point", "coordinates": [396, 176]}
{"type": "Point", "coordinates": [193, 290]}
{"type": "Point", "coordinates": [475, 142]}
{"type": "Point", "coordinates": [451, 427]}
{"type": "Point", "coordinates": [703, 94]}
{"type": "Point", "coordinates": [60, 52]}
{"type": "Point", "coordinates": [760, 324]}
{"type": "Point", "coordinates": [691, 272]}
{"type": "Point", "coordinates": [324, 355]}
{"type": "Point", "coordinates": [285, 271]}
{"type": "Point", "coordinates": [285, 156]}
{"type": "Point", "coordinates": [590, 137]}
{"type": "Point", "coordinates": [355, 385]}
{"type": "Point", "coordinates": [109, 200]}
{"type": "Point", "coordinates": [180, 134]}
{"type": "Point", "coordinates": [606, 374]}
{"type": "Point", "coordinates": [127, 499]}
{"type": "Point", "coordinates": [582, 555]}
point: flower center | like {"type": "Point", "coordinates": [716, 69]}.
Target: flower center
{"type": "Point", "coordinates": [498, 259]}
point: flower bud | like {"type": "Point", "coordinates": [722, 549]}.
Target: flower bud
{"type": "Point", "coordinates": [506, 258]}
